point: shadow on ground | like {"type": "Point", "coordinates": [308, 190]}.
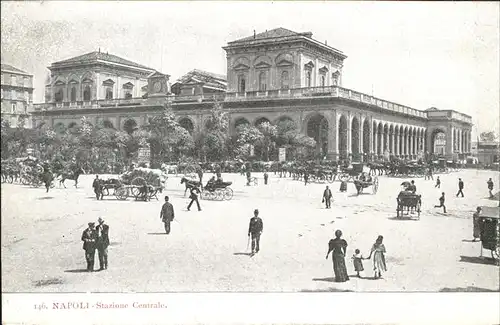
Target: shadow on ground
{"type": "Point", "coordinates": [467, 289]}
{"type": "Point", "coordinates": [245, 253]}
{"type": "Point", "coordinates": [45, 198]}
{"type": "Point", "coordinates": [157, 233]}
{"type": "Point", "coordinates": [404, 218]}
{"type": "Point", "coordinates": [478, 260]}
{"type": "Point", "coordinates": [326, 290]}
{"type": "Point", "coordinates": [47, 282]}
{"type": "Point", "coordinates": [76, 271]}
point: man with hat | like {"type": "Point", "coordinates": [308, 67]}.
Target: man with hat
{"type": "Point", "coordinates": [255, 230]}
{"type": "Point", "coordinates": [89, 238]}
{"type": "Point", "coordinates": [167, 214]}
{"type": "Point", "coordinates": [102, 243]}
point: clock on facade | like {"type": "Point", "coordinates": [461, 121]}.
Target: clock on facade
{"type": "Point", "coordinates": [157, 86]}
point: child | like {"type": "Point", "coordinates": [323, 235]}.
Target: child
{"type": "Point", "coordinates": [379, 257]}
{"type": "Point", "coordinates": [358, 263]}
{"type": "Point", "coordinates": [438, 183]}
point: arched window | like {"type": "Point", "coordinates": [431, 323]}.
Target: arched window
{"type": "Point", "coordinates": [86, 94]}
{"type": "Point", "coordinates": [73, 94]}
{"type": "Point", "coordinates": [58, 96]}
{"type": "Point", "coordinates": [109, 93]}
{"type": "Point", "coordinates": [335, 79]}
{"type": "Point", "coordinates": [308, 78]}
{"type": "Point", "coordinates": [323, 81]}
{"type": "Point", "coordinates": [262, 81]}
{"type": "Point", "coordinates": [241, 84]}
{"type": "Point", "coordinates": [284, 80]}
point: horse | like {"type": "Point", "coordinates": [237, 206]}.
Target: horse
{"type": "Point", "coordinates": [47, 177]}
{"type": "Point", "coordinates": [189, 184]}
{"type": "Point", "coordinates": [71, 175]}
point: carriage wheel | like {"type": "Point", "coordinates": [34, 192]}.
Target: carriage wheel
{"type": "Point", "coordinates": [322, 178]}
{"type": "Point", "coordinates": [210, 196]}
{"type": "Point", "coordinates": [24, 180]}
{"type": "Point", "coordinates": [190, 172]}
{"type": "Point", "coordinates": [137, 183]}
{"type": "Point", "coordinates": [255, 181]}
{"type": "Point", "coordinates": [10, 179]}
{"type": "Point", "coordinates": [495, 253]}
{"type": "Point", "coordinates": [218, 195]}
{"type": "Point", "coordinates": [331, 178]}
{"type": "Point", "coordinates": [152, 194]}
{"type": "Point", "coordinates": [121, 193]}
{"type": "Point", "coordinates": [375, 185]}
{"type": "Point", "coordinates": [228, 194]}
{"type": "Point", "coordinates": [105, 191]}
{"type": "Point", "coordinates": [344, 177]}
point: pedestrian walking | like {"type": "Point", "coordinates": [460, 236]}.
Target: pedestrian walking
{"type": "Point", "coordinates": [441, 203]}
{"type": "Point", "coordinates": [306, 177]}
{"type": "Point", "coordinates": [327, 197]}
{"type": "Point", "coordinates": [343, 186]}
{"type": "Point", "coordinates": [248, 177]}
{"type": "Point", "coordinates": [438, 183]}
{"type": "Point", "coordinates": [431, 173]}
{"type": "Point", "coordinates": [255, 229]}
{"type": "Point", "coordinates": [460, 187]}
{"type": "Point", "coordinates": [490, 187]}
{"type": "Point", "coordinates": [357, 260]}
{"type": "Point", "coordinates": [379, 265]}
{"type": "Point", "coordinates": [338, 248]}
{"type": "Point", "coordinates": [97, 187]}
{"type": "Point", "coordinates": [102, 243]}
{"type": "Point", "coordinates": [266, 176]}
{"type": "Point", "coordinates": [476, 231]}
{"type": "Point", "coordinates": [194, 198]}
{"type": "Point", "coordinates": [89, 238]}
{"type": "Point", "coordinates": [167, 214]}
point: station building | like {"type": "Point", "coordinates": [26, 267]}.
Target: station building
{"type": "Point", "coordinates": [271, 76]}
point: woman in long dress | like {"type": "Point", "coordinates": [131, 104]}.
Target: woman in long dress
{"type": "Point", "coordinates": [378, 258]}
{"type": "Point", "coordinates": [476, 231]}
{"type": "Point", "coordinates": [338, 248]}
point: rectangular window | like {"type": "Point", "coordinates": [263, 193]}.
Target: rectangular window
{"type": "Point", "coordinates": [1, 79]}
{"type": "Point", "coordinates": [12, 79]}
{"type": "Point", "coordinates": [13, 94]}
{"type": "Point", "coordinates": [14, 108]}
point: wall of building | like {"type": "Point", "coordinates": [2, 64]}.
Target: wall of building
{"type": "Point", "coordinates": [16, 91]}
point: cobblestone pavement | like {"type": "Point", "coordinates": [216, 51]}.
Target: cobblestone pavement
{"type": "Point", "coordinates": [206, 251]}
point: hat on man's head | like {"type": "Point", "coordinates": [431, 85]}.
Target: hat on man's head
{"type": "Point", "coordinates": [91, 223]}
{"type": "Point", "coordinates": [100, 220]}
{"type": "Point", "coordinates": [256, 211]}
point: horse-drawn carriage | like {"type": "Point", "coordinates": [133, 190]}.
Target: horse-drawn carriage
{"type": "Point", "coordinates": [365, 181]}
{"type": "Point", "coordinates": [351, 173]}
{"type": "Point", "coordinates": [141, 184]}
{"type": "Point", "coordinates": [489, 229]}
{"type": "Point", "coordinates": [322, 174]}
{"type": "Point", "coordinates": [410, 203]}
{"type": "Point", "coordinates": [217, 190]}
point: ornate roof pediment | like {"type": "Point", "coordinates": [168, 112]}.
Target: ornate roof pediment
{"type": "Point", "coordinates": [128, 85]}
{"type": "Point", "coordinates": [309, 65]}
{"type": "Point", "coordinates": [73, 81]}
{"type": "Point", "coordinates": [284, 59]}
{"type": "Point", "coordinates": [87, 80]}
{"type": "Point", "coordinates": [323, 70]}
{"type": "Point", "coordinates": [59, 83]}
{"type": "Point", "coordinates": [262, 65]}
{"type": "Point", "coordinates": [108, 82]}
{"type": "Point", "coordinates": [336, 74]}
{"type": "Point", "coordinates": [241, 66]}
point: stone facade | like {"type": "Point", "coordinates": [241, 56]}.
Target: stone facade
{"type": "Point", "coordinates": [16, 94]}
{"type": "Point", "coordinates": [345, 123]}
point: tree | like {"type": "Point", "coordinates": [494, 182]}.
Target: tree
{"type": "Point", "coordinates": [266, 143]}
{"type": "Point", "coordinates": [216, 136]}
{"type": "Point", "coordinates": [488, 136]}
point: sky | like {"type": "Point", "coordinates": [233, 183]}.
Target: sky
{"type": "Point", "coordinates": [418, 54]}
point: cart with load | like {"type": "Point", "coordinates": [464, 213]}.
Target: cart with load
{"type": "Point", "coordinates": [410, 203]}
{"type": "Point", "coordinates": [489, 229]}
{"type": "Point", "coordinates": [140, 183]}
{"type": "Point", "coordinates": [351, 173]}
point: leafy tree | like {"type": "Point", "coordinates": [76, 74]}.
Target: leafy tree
{"type": "Point", "coordinates": [216, 135]}
{"type": "Point", "coordinates": [488, 136]}
{"type": "Point", "coordinates": [266, 143]}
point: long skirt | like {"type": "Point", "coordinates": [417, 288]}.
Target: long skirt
{"type": "Point", "coordinates": [339, 268]}
{"type": "Point", "coordinates": [379, 262]}
{"type": "Point", "coordinates": [476, 232]}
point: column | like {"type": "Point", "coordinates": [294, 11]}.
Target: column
{"type": "Point", "coordinates": [396, 142]}
{"type": "Point", "coordinates": [407, 143]}
{"type": "Point", "coordinates": [375, 140]}
{"type": "Point", "coordinates": [97, 87]}
{"type": "Point", "coordinates": [349, 134]}
{"type": "Point", "coordinates": [333, 141]}
{"type": "Point", "coordinates": [393, 150]}
{"type": "Point", "coordinates": [361, 142]}
{"type": "Point", "coordinates": [449, 142]}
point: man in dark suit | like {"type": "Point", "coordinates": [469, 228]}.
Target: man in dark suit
{"type": "Point", "coordinates": [89, 238]}
{"type": "Point", "coordinates": [102, 243]}
{"type": "Point", "coordinates": [97, 185]}
{"type": "Point", "coordinates": [194, 198]}
{"type": "Point", "coordinates": [167, 214]}
{"type": "Point", "coordinates": [255, 230]}
{"type": "Point", "coordinates": [460, 187]}
{"type": "Point", "coordinates": [441, 203]}
{"type": "Point", "coordinates": [327, 197]}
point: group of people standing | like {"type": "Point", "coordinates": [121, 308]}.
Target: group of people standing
{"type": "Point", "coordinates": [338, 248]}
{"type": "Point", "coordinates": [96, 238]}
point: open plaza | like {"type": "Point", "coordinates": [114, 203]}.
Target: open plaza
{"type": "Point", "coordinates": [207, 250]}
